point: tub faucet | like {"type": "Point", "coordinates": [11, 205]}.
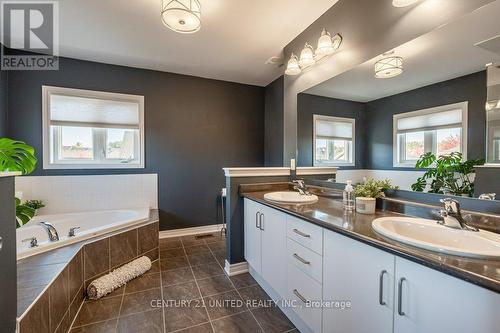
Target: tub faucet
{"type": "Point", "coordinates": [51, 231]}
{"type": "Point", "coordinates": [452, 216]}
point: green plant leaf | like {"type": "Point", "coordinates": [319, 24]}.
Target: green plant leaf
{"type": "Point", "coordinates": [23, 213]}
{"type": "Point", "coordinates": [16, 156]}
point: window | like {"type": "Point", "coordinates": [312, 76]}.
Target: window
{"type": "Point", "coordinates": [333, 141]}
{"type": "Point", "coordinates": [85, 129]}
{"type": "Point", "coordinates": [440, 130]}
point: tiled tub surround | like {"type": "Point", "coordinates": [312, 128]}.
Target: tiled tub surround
{"type": "Point", "coordinates": [329, 213]}
{"type": "Point", "coordinates": [51, 285]}
{"type": "Point", "coordinates": [90, 225]}
{"type": "Point", "coordinates": [189, 269]}
{"type": "Point", "coordinates": [70, 194]}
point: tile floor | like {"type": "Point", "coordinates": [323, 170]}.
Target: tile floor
{"type": "Point", "coordinates": [197, 296]}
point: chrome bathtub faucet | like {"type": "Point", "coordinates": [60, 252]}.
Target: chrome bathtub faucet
{"type": "Point", "coordinates": [452, 216]}
{"type": "Point", "coordinates": [51, 231]}
{"type": "Point", "coordinates": [71, 232]}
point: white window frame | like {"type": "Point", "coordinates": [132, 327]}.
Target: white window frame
{"type": "Point", "coordinates": [428, 137]}
{"type": "Point", "coordinates": [351, 151]}
{"type": "Point", "coordinates": [82, 164]}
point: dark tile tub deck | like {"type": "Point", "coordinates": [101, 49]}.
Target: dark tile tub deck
{"type": "Point", "coordinates": [51, 285]}
{"type": "Point", "coordinates": [186, 290]}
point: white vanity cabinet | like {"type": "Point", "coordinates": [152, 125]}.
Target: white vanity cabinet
{"type": "Point", "coordinates": [362, 275]}
{"type": "Point", "coordinates": [433, 302]}
{"type": "Point", "coordinates": [265, 243]}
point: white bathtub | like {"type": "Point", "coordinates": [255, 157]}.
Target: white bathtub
{"type": "Point", "coordinates": [92, 224]}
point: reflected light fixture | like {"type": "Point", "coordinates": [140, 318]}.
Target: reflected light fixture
{"type": "Point", "coordinates": [183, 16]}
{"type": "Point", "coordinates": [307, 56]}
{"type": "Point", "coordinates": [293, 67]}
{"type": "Point", "coordinates": [403, 3]}
{"type": "Point", "coordinates": [389, 66]}
{"type": "Point", "coordinates": [327, 44]}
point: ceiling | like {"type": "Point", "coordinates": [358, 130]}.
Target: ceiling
{"type": "Point", "coordinates": [235, 40]}
{"type": "Point", "coordinates": [444, 53]}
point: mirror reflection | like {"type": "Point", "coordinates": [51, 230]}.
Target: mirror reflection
{"type": "Point", "coordinates": [425, 114]}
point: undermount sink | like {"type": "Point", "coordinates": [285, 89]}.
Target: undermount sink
{"type": "Point", "coordinates": [430, 235]}
{"type": "Point", "coordinates": [290, 197]}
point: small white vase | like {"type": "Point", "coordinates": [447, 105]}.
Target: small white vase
{"type": "Point", "coordinates": [365, 205]}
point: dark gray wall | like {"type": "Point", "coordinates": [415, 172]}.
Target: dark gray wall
{"type": "Point", "coordinates": [194, 127]}
{"type": "Point", "coordinates": [309, 105]}
{"type": "Point", "coordinates": [274, 123]}
{"type": "Point", "coordinates": [3, 103]}
{"type": "Point", "coordinates": [471, 88]}
{"type": "Point", "coordinates": [487, 181]}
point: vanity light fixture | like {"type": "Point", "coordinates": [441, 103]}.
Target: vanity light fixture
{"type": "Point", "coordinates": [327, 45]}
{"type": "Point", "coordinates": [389, 66]}
{"type": "Point", "coordinates": [403, 3]}
{"type": "Point", "coordinates": [293, 67]}
{"type": "Point", "coordinates": [183, 16]}
{"type": "Point", "coordinates": [491, 105]}
{"type": "Point", "coordinates": [307, 56]}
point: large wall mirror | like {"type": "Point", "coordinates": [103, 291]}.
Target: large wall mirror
{"type": "Point", "coordinates": [436, 95]}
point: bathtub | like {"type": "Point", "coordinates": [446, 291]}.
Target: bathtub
{"type": "Point", "coordinates": [92, 225]}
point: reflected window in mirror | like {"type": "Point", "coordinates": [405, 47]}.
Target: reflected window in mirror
{"type": "Point", "coordinates": [493, 115]}
{"type": "Point", "coordinates": [441, 130]}
{"type": "Point", "coordinates": [333, 141]}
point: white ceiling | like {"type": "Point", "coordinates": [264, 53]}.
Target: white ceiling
{"type": "Point", "coordinates": [444, 53]}
{"type": "Point", "coordinates": [235, 40]}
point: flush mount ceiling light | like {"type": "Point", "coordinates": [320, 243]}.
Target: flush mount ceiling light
{"type": "Point", "coordinates": [403, 3]}
{"type": "Point", "coordinates": [183, 16]}
{"type": "Point", "coordinates": [327, 45]}
{"type": "Point", "coordinates": [293, 67]}
{"type": "Point", "coordinates": [389, 66]}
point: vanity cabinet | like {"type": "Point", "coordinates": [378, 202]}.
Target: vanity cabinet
{"type": "Point", "coordinates": [304, 263]}
{"type": "Point", "coordinates": [362, 275]}
{"type": "Point", "coordinates": [265, 244]}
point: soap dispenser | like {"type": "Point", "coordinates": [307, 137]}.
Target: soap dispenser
{"type": "Point", "coordinates": [348, 196]}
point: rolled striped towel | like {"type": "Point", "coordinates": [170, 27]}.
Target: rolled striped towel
{"type": "Point", "coordinates": [105, 284]}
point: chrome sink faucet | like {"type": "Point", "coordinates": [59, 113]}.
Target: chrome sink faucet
{"type": "Point", "coordinates": [452, 216]}
{"type": "Point", "coordinates": [51, 231]}
{"type": "Point", "coordinates": [301, 187]}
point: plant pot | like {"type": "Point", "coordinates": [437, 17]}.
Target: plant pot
{"type": "Point", "coordinates": [365, 205]}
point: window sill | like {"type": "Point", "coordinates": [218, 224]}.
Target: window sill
{"type": "Point", "coordinates": [92, 166]}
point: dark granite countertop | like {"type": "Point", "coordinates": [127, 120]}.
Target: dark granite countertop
{"type": "Point", "coordinates": [35, 273]}
{"type": "Point", "coordinates": [329, 213]}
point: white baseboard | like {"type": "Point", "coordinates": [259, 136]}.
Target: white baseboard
{"type": "Point", "coordinates": [235, 269]}
{"type": "Point", "coordinates": [190, 231]}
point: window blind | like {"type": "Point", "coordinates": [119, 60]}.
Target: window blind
{"type": "Point", "coordinates": [333, 129]}
{"type": "Point", "coordinates": [431, 121]}
{"type": "Point", "coordinates": [92, 112]}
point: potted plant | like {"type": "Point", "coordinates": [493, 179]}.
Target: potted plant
{"type": "Point", "coordinates": [367, 193]}
{"type": "Point", "coordinates": [18, 156]}
{"type": "Point", "coordinates": [446, 174]}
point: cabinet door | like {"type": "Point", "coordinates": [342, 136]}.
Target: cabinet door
{"type": "Point", "coordinates": [252, 235]}
{"type": "Point", "coordinates": [434, 302]}
{"type": "Point", "coordinates": [363, 275]}
{"type": "Point", "coordinates": [273, 225]}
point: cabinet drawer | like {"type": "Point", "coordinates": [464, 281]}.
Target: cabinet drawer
{"type": "Point", "coordinates": [305, 233]}
{"type": "Point", "coordinates": [304, 259]}
{"type": "Point", "coordinates": [301, 289]}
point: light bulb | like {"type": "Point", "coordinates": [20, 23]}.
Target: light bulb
{"type": "Point", "coordinates": [293, 67]}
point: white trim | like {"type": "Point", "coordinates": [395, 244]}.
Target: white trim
{"type": "Point", "coordinates": [464, 106]}
{"type": "Point", "coordinates": [47, 90]}
{"type": "Point", "coordinates": [488, 165]}
{"type": "Point", "coordinates": [10, 174]}
{"type": "Point", "coordinates": [235, 269]}
{"type": "Point", "coordinates": [255, 172]}
{"type": "Point", "coordinates": [352, 152]}
{"type": "Point", "coordinates": [190, 231]}
{"type": "Point", "coordinates": [305, 171]}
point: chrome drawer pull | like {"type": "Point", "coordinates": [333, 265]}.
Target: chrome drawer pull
{"type": "Point", "coordinates": [302, 260]}
{"type": "Point", "coordinates": [261, 221]}
{"type": "Point", "coordinates": [257, 220]}
{"type": "Point", "coordinates": [381, 288]}
{"type": "Point", "coordinates": [400, 296]}
{"type": "Point", "coordinates": [300, 233]}
{"type": "Point", "coordinates": [302, 298]}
